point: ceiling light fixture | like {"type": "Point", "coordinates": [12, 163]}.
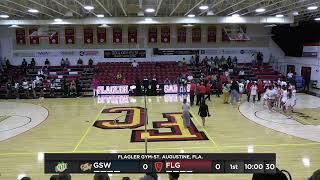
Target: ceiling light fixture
{"type": "Point", "coordinates": [235, 15]}
{"type": "Point", "coordinates": [187, 25]}
{"type": "Point", "coordinates": [191, 15]}
{"type": "Point", "coordinates": [4, 16]}
{"type": "Point", "coordinates": [317, 19]}
{"type": "Point", "coordinates": [58, 20]}
{"type": "Point", "coordinates": [150, 10]}
{"type": "Point", "coordinates": [210, 13]}
{"type": "Point", "coordinates": [14, 26]}
{"type": "Point", "coordinates": [33, 10]}
{"type": "Point", "coordinates": [148, 19]}
{"type": "Point", "coordinates": [260, 10]}
{"type": "Point", "coordinates": [203, 7]}
{"type": "Point", "coordinates": [88, 8]}
{"type": "Point", "coordinates": [100, 15]}
{"type": "Point", "coordinates": [279, 15]}
{"type": "Point", "coordinates": [104, 25]}
{"type": "Point", "coordinates": [295, 13]}
{"type": "Point", "coordinates": [312, 7]}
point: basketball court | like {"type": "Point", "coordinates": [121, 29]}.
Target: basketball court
{"type": "Point", "coordinates": [75, 125]}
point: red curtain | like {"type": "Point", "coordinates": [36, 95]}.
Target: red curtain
{"type": "Point", "coordinates": [165, 34]}
{"type": "Point", "coordinates": [21, 36]}
{"type": "Point", "coordinates": [212, 32]}
{"type": "Point", "coordinates": [153, 35]}
{"type": "Point", "coordinates": [196, 34]}
{"type": "Point", "coordinates": [69, 35]}
{"type": "Point", "coordinates": [101, 35]}
{"type": "Point", "coordinates": [54, 39]}
{"type": "Point", "coordinates": [182, 35]}
{"type": "Point", "coordinates": [117, 35]}
{"type": "Point", "coordinates": [132, 34]}
{"type": "Point", "coordinates": [88, 35]}
{"type": "Point", "coordinates": [34, 39]}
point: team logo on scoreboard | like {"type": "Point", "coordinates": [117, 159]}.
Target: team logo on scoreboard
{"type": "Point", "coordinates": [61, 167]}
{"type": "Point", "coordinates": [134, 119]}
{"type": "Point", "coordinates": [158, 166]}
{"type": "Point", "coordinates": [85, 167]}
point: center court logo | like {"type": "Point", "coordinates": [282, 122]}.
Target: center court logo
{"type": "Point", "coordinates": [61, 167]}
{"type": "Point", "coordinates": [85, 167]}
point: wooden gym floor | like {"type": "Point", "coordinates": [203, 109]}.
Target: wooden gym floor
{"type": "Point", "coordinates": [71, 126]}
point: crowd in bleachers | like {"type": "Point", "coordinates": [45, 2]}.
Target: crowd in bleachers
{"type": "Point", "coordinates": [31, 81]}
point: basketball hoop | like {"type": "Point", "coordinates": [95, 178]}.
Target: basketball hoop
{"type": "Point", "coordinates": [43, 32]}
{"type": "Point", "coordinates": [236, 33]}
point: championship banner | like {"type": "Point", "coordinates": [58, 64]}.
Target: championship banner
{"type": "Point", "coordinates": [182, 35]}
{"type": "Point", "coordinates": [54, 39]}
{"type": "Point", "coordinates": [212, 32]}
{"type": "Point", "coordinates": [153, 35]}
{"type": "Point", "coordinates": [196, 34]}
{"type": "Point", "coordinates": [21, 36]}
{"type": "Point", "coordinates": [34, 39]}
{"type": "Point", "coordinates": [69, 35]}
{"type": "Point", "coordinates": [117, 35]}
{"type": "Point", "coordinates": [165, 34]}
{"type": "Point", "coordinates": [132, 34]}
{"type": "Point", "coordinates": [88, 35]}
{"type": "Point", "coordinates": [101, 35]}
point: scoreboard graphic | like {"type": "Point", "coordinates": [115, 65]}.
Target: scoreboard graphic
{"type": "Point", "coordinates": [160, 163]}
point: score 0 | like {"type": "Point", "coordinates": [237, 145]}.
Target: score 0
{"type": "Point", "coordinates": [217, 166]}
{"type": "Point", "coordinates": [145, 167]}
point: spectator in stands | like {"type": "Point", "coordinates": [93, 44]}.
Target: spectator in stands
{"type": "Point", "coordinates": [192, 61]}
{"type": "Point", "coordinates": [8, 64]}
{"type": "Point", "coordinates": [167, 81]}
{"type": "Point", "coordinates": [203, 112]}
{"type": "Point", "coordinates": [119, 76]}
{"type": "Point", "coordinates": [226, 93]}
{"type": "Point", "coordinates": [174, 176]}
{"type": "Point", "coordinates": [205, 61]}
{"type": "Point", "coordinates": [47, 63]}
{"type": "Point", "coordinates": [72, 87]}
{"type": "Point", "coordinates": [54, 177]}
{"type": "Point", "coordinates": [90, 62]}
{"type": "Point", "coordinates": [306, 83]}
{"type": "Point", "coordinates": [216, 61]}
{"type": "Point", "coordinates": [25, 86]}
{"type": "Point", "coordinates": [154, 83]}
{"type": "Point", "coordinates": [101, 177]}
{"type": "Point", "coordinates": [16, 89]}
{"type": "Point", "coordinates": [67, 62]}
{"type": "Point", "coordinates": [218, 87]}
{"type": "Point", "coordinates": [124, 81]}
{"type": "Point", "coordinates": [260, 58]}
{"type": "Point", "coordinates": [25, 178]}
{"type": "Point", "coordinates": [65, 87]}
{"type": "Point", "coordinates": [64, 176]}
{"type": "Point", "coordinates": [253, 59]}
{"type": "Point", "coordinates": [134, 64]}
{"type": "Point", "coordinates": [32, 62]}
{"type": "Point", "coordinates": [190, 77]}
{"type": "Point", "coordinates": [63, 62]}
{"type": "Point", "coordinates": [94, 86]}
{"type": "Point", "coordinates": [80, 62]}
{"type": "Point", "coordinates": [24, 63]}
{"type": "Point", "coordinates": [33, 88]}
{"type": "Point", "coordinates": [235, 60]}
{"type": "Point", "coordinates": [229, 60]}
{"type": "Point", "coordinates": [241, 74]}
{"type": "Point", "coordinates": [184, 61]}
{"type": "Point", "coordinates": [180, 64]}
{"type": "Point", "coordinates": [8, 88]}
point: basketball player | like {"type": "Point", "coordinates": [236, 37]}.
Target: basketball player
{"type": "Point", "coordinates": [203, 112]}
{"type": "Point", "coordinates": [185, 113]}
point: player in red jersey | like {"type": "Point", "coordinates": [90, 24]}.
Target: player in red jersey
{"type": "Point", "coordinates": [193, 87]}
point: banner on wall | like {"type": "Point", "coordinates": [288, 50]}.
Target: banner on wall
{"type": "Point", "coordinates": [21, 36]}
{"type": "Point", "coordinates": [153, 35]}
{"type": "Point", "coordinates": [117, 35]}
{"type": "Point", "coordinates": [44, 53]}
{"type": "Point", "coordinates": [175, 52]}
{"type": "Point", "coordinates": [125, 54]}
{"type": "Point", "coordinates": [88, 35]}
{"type": "Point", "coordinates": [165, 34]}
{"type": "Point", "coordinates": [212, 32]}
{"type": "Point", "coordinates": [182, 35]}
{"type": "Point", "coordinates": [54, 39]}
{"type": "Point", "coordinates": [33, 39]}
{"type": "Point", "coordinates": [228, 51]}
{"type": "Point", "coordinates": [89, 53]}
{"type": "Point", "coordinates": [69, 34]}
{"type": "Point", "coordinates": [310, 51]}
{"type": "Point", "coordinates": [101, 35]}
{"type": "Point", "coordinates": [132, 34]}
{"type": "Point", "coordinates": [196, 34]}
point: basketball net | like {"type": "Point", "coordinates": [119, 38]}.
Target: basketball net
{"type": "Point", "coordinates": [236, 33]}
